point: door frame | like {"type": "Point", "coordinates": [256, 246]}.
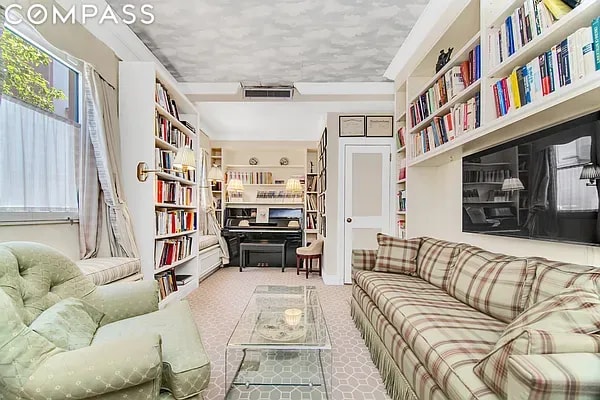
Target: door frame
{"type": "Point", "coordinates": [344, 267]}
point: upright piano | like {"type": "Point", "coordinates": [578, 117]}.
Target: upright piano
{"type": "Point", "coordinates": [285, 224]}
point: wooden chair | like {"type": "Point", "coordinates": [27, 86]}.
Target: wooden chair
{"type": "Point", "coordinates": [308, 254]}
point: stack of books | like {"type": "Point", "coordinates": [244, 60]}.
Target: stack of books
{"type": "Point", "coordinates": [173, 193]}
{"type": "Point", "coordinates": [576, 57]}
{"type": "Point", "coordinates": [170, 222]}
{"type": "Point", "coordinates": [166, 283]}
{"type": "Point", "coordinates": [167, 252]}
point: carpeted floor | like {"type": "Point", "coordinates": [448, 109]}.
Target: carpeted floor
{"type": "Point", "coordinates": [219, 301]}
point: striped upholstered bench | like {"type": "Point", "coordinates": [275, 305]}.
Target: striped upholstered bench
{"type": "Point", "coordinates": [105, 270]}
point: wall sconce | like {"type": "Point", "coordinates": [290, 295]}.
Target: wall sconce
{"type": "Point", "coordinates": [591, 172]}
{"type": "Point", "coordinates": [185, 160]}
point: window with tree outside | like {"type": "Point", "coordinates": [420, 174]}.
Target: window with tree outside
{"type": "Point", "coordinates": [39, 127]}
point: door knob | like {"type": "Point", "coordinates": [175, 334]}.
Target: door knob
{"type": "Point", "coordinates": [349, 220]}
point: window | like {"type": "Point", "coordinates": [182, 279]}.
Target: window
{"type": "Point", "coordinates": [39, 126]}
{"type": "Point", "coordinates": [574, 194]}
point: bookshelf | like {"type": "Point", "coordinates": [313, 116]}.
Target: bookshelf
{"type": "Point", "coordinates": [401, 158]}
{"type": "Point", "coordinates": [311, 207]}
{"type": "Point", "coordinates": [322, 184]}
{"type": "Point", "coordinates": [217, 187]}
{"type": "Point", "coordinates": [433, 177]}
{"type": "Point", "coordinates": [165, 206]}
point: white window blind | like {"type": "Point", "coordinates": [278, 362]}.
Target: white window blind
{"type": "Point", "coordinates": [37, 163]}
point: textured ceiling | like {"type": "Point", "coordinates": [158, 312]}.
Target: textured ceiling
{"type": "Point", "coordinates": [285, 41]}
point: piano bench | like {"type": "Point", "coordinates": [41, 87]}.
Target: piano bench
{"type": "Point", "coordinates": [261, 247]}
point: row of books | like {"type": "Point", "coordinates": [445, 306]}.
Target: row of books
{"type": "Point", "coordinates": [311, 221]}
{"type": "Point", "coordinates": [173, 193]}
{"type": "Point", "coordinates": [163, 98]}
{"type": "Point", "coordinates": [447, 87]}
{"type": "Point", "coordinates": [486, 175]}
{"type": "Point", "coordinates": [401, 228]}
{"type": "Point", "coordinates": [163, 160]}
{"type": "Point", "coordinates": [573, 59]}
{"type": "Point", "coordinates": [463, 117]}
{"type": "Point", "coordinates": [169, 222]}
{"type": "Point", "coordinates": [251, 178]}
{"type": "Point", "coordinates": [532, 19]}
{"type": "Point", "coordinates": [164, 129]}
{"type": "Point", "coordinates": [491, 196]}
{"type": "Point", "coordinates": [400, 137]}
{"type": "Point", "coordinates": [167, 283]}
{"type": "Point", "coordinates": [167, 252]}
{"type": "Point", "coordinates": [311, 202]}
{"type": "Point", "coordinates": [402, 169]}
{"type": "Point", "coordinates": [311, 183]}
{"type": "Point", "coordinates": [280, 195]}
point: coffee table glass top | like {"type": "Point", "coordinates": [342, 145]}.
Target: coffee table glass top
{"type": "Point", "coordinates": [282, 317]}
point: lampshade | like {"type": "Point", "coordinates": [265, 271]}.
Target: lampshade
{"type": "Point", "coordinates": [512, 184]}
{"type": "Point", "coordinates": [590, 171]}
{"type": "Point", "coordinates": [215, 174]}
{"type": "Point", "coordinates": [235, 185]}
{"type": "Point", "coordinates": [185, 159]}
{"type": "Point", "coordinates": [293, 185]}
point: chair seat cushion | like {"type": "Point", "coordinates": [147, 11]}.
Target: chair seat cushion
{"type": "Point", "coordinates": [305, 251]}
{"type": "Point", "coordinates": [186, 365]}
{"type": "Point", "coordinates": [105, 270]}
{"type": "Point", "coordinates": [206, 241]}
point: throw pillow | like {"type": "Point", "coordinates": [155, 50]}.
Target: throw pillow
{"type": "Point", "coordinates": [70, 324]}
{"type": "Point", "coordinates": [397, 255]}
{"type": "Point", "coordinates": [560, 324]}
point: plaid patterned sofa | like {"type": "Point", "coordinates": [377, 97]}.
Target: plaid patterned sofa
{"type": "Point", "coordinates": [428, 332]}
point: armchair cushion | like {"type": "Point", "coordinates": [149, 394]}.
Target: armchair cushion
{"type": "Point", "coordinates": [21, 350]}
{"type": "Point", "coordinates": [70, 324]}
{"type": "Point", "coordinates": [96, 370]}
{"type": "Point", "coordinates": [396, 255]}
{"type": "Point", "coordinates": [186, 368]}
{"type": "Point", "coordinates": [560, 324]}
{"type": "Point", "coordinates": [121, 300]}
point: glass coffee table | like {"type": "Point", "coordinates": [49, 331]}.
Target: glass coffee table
{"type": "Point", "coordinates": [280, 348]}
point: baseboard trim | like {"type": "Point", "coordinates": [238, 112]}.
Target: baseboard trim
{"type": "Point", "coordinates": [332, 280]}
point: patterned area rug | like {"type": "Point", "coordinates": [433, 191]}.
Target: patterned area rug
{"type": "Point", "coordinates": [220, 300]}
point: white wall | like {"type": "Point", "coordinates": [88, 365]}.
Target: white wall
{"type": "Point", "coordinates": [62, 237]}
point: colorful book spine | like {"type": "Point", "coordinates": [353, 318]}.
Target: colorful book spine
{"type": "Point", "coordinates": [596, 37]}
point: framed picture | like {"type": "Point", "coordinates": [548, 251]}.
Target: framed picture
{"type": "Point", "coordinates": [352, 125]}
{"type": "Point", "coordinates": [380, 126]}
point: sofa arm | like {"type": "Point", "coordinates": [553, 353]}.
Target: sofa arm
{"type": "Point", "coordinates": [364, 260]}
{"type": "Point", "coordinates": [98, 369]}
{"type": "Point", "coordinates": [554, 376]}
{"type": "Point", "coordinates": [123, 300]}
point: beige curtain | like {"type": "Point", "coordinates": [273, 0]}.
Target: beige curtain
{"type": "Point", "coordinates": [208, 207]}
{"type": "Point", "coordinates": [2, 72]}
{"type": "Point", "coordinates": [102, 125]}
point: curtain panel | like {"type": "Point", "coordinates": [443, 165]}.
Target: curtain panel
{"type": "Point", "coordinates": [207, 205]}
{"type": "Point", "coordinates": [103, 129]}
{"type": "Point", "coordinates": [2, 68]}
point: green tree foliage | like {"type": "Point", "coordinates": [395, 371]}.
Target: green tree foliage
{"type": "Point", "coordinates": [22, 80]}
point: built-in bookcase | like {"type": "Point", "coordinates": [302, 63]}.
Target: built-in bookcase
{"type": "Point", "coordinates": [311, 197]}
{"type": "Point", "coordinates": [533, 71]}
{"type": "Point", "coordinates": [156, 121]}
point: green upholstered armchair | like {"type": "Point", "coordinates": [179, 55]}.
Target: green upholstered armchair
{"type": "Point", "coordinates": [63, 337]}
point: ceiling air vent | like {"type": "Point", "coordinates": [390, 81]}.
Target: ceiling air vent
{"type": "Point", "coordinates": [262, 92]}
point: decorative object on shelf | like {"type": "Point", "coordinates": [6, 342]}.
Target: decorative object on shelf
{"type": "Point", "coordinates": [184, 160]}
{"type": "Point", "coordinates": [253, 161]}
{"type": "Point", "coordinates": [380, 126]}
{"type": "Point", "coordinates": [262, 215]}
{"type": "Point", "coordinates": [284, 161]}
{"type": "Point", "coordinates": [591, 172]}
{"type": "Point", "coordinates": [292, 316]}
{"type": "Point", "coordinates": [215, 174]}
{"type": "Point", "coordinates": [312, 167]}
{"type": "Point", "coordinates": [443, 59]}
{"type": "Point", "coordinates": [352, 125]}
{"type": "Point", "coordinates": [235, 190]}
{"type": "Point", "coordinates": [293, 185]}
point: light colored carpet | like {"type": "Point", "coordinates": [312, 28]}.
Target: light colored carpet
{"type": "Point", "coordinates": [220, 300]}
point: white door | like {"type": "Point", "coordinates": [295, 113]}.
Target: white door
{"type": "Point", "coordinates": [367, 200]}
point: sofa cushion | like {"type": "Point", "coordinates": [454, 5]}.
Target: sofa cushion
{"type": "Point", "coordinates": [552, 277]}
{"type": "Point", "coordinates": [495, 284]}
{"type": "Point", "coordinates": [206, 241]}
{"type": "Point", "coordinates": [414, 371]}
{"type": "Point", "coordinates": [70, 324]}
{"type": "Point", "coordinates": [396, 255]}
{"type": "Point", "coordinates": [104, 270]}
{"type": "Point", "coordinates": [559, 324]}
{"type": "Point", "coordinates": [186, 366]}
{"type": "Point", "coordinates": [435, 261]}
{"type": "Point", "coordinates": [364, 259]}
{"type": "Point", "coordinates": [447, 336]}
{"type": "Point", "coordinates": [21, 350]}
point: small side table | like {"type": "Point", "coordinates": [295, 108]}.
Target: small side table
{"type": "Point", "coordinates": [261, 247]}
